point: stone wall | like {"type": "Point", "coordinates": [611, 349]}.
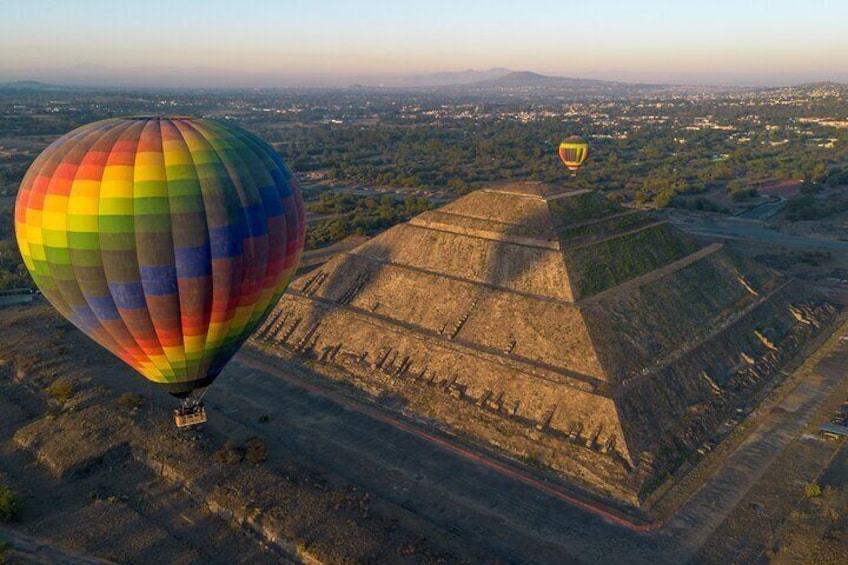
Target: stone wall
{"type": "Point", "coordinates": [691, 395]}
{"type": "Point", "coordinates": [522, 268]}
{"type": "Point", "coordinates": [637, 326]}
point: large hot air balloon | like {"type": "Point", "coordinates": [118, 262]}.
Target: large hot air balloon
{"type": "Point", "coordinates": [573, 151]}
{"type": "Point", "coordinates": [165, 240]}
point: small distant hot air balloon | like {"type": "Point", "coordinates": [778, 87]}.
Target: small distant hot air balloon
{"type": "Point", "coordinates": [165, 240]}
{"type": "Point", "coordinates": [573, 152]}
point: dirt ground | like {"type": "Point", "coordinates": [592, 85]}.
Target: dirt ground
{"type": "Point", "coordinates": [816, 531]}
{"type": "Point", "coordinates": [94, 475]}
{"type": "Point", "coordinates": [98, 478]}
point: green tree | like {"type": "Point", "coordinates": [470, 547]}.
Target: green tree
{"type": "Point", "coordinates": [339, 229]}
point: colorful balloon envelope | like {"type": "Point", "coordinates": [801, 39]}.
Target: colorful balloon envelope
{"type": "Point", "coordinates": [573, 152]}
{"type": "Point", "coordinates": [166, 240]}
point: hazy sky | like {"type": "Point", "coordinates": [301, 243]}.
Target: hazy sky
{"type": "Point", "coordinates": [301, 41]}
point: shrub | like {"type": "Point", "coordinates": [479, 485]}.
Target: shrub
{"type": "Point", "coordinates": [706, 204]}
{"type": "Point", "coordinates": [743, 194]}
{"type": "Point", "coordinates": [231, 453]}
{"type": "Point", "coordinates": [8, 504]}
{"type": "Point", "coordinates": [812, 490]}
{"type": "Point", "coordinates": [664, 199]}
{"type": "Point", "coordinates": [131, 401]}
{"type": "Point", "coordinates": [61, 389]}
{"type": "Point", "coordinates": [257, 451]}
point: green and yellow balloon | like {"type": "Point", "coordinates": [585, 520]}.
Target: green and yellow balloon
{"type": "Point", "coordinates": [573, 151]}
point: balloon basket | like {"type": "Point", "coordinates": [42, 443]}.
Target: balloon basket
{"type": "Point", "coordinates": [190, 413]}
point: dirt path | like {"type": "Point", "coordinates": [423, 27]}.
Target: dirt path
{"type": "Point", "coordinates": [34, 550]}
{"type": "Point", "coordinates": [754, 230]}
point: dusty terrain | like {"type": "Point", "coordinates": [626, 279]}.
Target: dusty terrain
{"type": "Point", "coordinates": [340, 485]}
{"type": "Point", "coordinates": [95, 474]}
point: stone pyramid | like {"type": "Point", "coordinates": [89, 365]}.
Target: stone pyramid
{"type": "Point", "coordinates": [554, 326]}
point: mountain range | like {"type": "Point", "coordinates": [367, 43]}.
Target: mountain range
{"type": "Point", "coordinates": [497, 79]}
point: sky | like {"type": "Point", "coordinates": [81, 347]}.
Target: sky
{"type": "Point", "coordinates": [257, 43]}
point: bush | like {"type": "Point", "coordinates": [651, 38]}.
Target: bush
{"type": "Point", "coordinates": [812, 490]}
{"type": "Point", "coordinates": [806, 207]}
{"type": "Point", "coordinates": [231, 453]}
{"type": "Point", "coordinates": [61, 389]}
{"type": "Point", "coordinates": [663, 199]}
{"type": "Point", "coordinates": [707, 205]}
{"type": "Point", "coordinates": [8, 504]}
{"type": "Point", "coordinates": [131, 401]}
{"type": "Point", "coordinates": [257, 451]}
{"type": "Point", "coordinates": [743, 194]}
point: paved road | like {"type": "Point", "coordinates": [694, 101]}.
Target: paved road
{"type": "Point", "coordinates": [734, 228]}
{"type": "Point", "coordinates": [764, 211]}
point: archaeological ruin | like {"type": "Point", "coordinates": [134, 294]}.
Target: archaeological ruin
{"type": "Point", "coordinates": [553, 326]}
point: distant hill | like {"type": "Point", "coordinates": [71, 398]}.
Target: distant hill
{"type": "Point", "coordinates": [821, 85]}
{"type": "Point", "coordinates": [30, 85]}
{"type": "Point", "coordinates": [528, 83]}
{"type": "Point", "coordinates": [493, 77]}
{"type": "Point", "coordinates": [449, 78]}
{"type": "Point", "coordinates": [500, 81]}
{"type": "Point", "coordinates": [505, 80]}
{"type": "Point", "coordinates": [529, 78]}
{"type": "Point", "coordinates": [523, 76]}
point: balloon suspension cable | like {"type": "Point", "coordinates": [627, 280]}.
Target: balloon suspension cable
{"type": "Point", "coordinates": [189, 403]}
{"type": "Point", "coordinates": [202, 394]}
{"type": "Point", "coordinates": [149, 402]}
